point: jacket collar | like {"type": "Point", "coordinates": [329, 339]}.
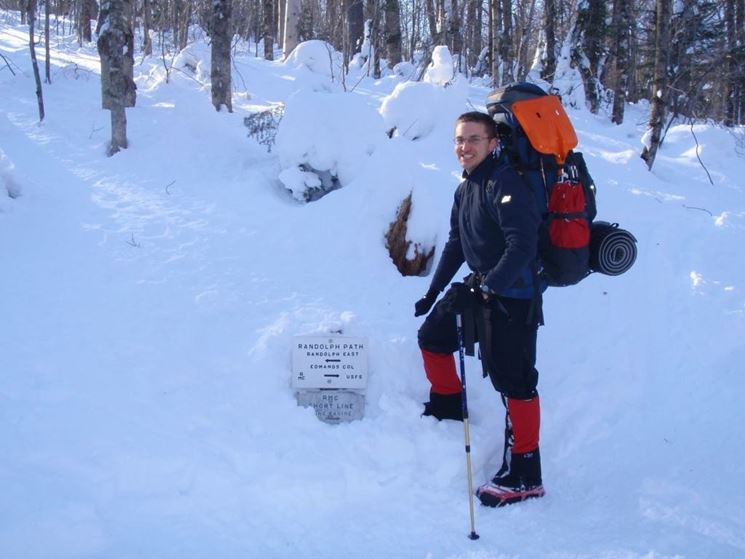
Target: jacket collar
{"type": "Point", "coordinates": [483, 170]}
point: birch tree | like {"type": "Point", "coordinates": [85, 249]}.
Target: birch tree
{"type": "Point", "coordinates": [657, 114]}
{"type": "Point", "coordinates": [292, 20]}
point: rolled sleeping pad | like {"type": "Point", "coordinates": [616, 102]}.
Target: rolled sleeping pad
{"type": "Point", "coordinates": [612, 250]}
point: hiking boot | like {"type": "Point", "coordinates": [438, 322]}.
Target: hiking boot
{"type": "Point", "coordinates": [522, 481]}
{"type": "Point", "coordinates": [444, 406]}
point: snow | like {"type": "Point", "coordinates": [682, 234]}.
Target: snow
{"type": "Point", "coordinates": [441, 70]}
{"type": "Point", "coordinates": [415, 109]}
{"type": "Point", "coordinates": [150, 301]}
{"type": "Point", "coordinates": [315, 130]}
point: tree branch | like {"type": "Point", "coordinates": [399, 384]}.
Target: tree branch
{"type": "Point", "coordinates": [698, 156]}
{"type": "Point", "coordinates": [7, 63]}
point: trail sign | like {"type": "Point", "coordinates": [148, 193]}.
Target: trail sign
{"type": "Point", "coordinates": [329, 362]}
{"type": "Point", "coordinates": [334, 405]}
{"type": "Point", "coordinates": [329, 373]}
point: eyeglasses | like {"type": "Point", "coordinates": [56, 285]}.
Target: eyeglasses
{"type": "Point", "coordinates": [471, 140]}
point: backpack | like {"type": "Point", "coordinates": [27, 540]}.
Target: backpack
{"type": "Point", "coordinates": [537, 137]}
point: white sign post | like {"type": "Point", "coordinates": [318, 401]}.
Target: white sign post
{"type": "Point", "coordinates": [329, 373]}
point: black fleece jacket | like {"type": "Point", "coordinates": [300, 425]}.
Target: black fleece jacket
{"type": "Point", "coordinates": [494, 228]}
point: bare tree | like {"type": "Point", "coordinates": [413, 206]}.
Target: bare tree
{"type": "Point", "coordinates": [392, 31]}
{"type": "Point", "coordinates": [86, 14]}
{"type": "Point", "coordinates": [355, 24]}
{"type": "Point", "coordinates": [735, 56]}
{"type": "Point", "coordinates": [588, 49]}
{"type": "Point", "coordinates": [32, 47]}
{"type": "Point", "coordinates": [524, 35]}
{"type": "Point", "coordinates": [740, 57]}
{"type": "Point", "coordinates": [507, 43]}
{"type": "Point", "coordinates": [292, 20]}
{"type": "Point", "coordinates": [116, 49]}
{"type": "Point", "coordinates": [147, 17]}
{"type": "Point", "coordinates": [549, 28]}
{"type": "Point", "coordinates": [434, 19]}
{"type": "Point", "coordinates": [220, 34]}
{"type": "Point", "coordinates": [472, 31]}
{"type": "Point", "coordinates": [47, 55]}
{"type": "Point", "coordinates": [453, 32]}
{"type": "Point", "coordinates": [495, 38]}
{"type": "Point", "coordinates": [268, 29]}
{"type": "Point", "coordinates": [657, 114]}
{"type": "Point", "coordinates": [620, 70]}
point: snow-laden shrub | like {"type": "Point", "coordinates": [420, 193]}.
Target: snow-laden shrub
{"type": "Point", "coordinates": [413, 109]}
{"type": "Point", "coordinates": [323, 141]}
{"type": "Point", "coordinates": [406, 70]}
{"type": "Point", "coordinates": [317, 56]}
{"type": "Point", "coordinates": [9, 187]}
{"type": "Point", "coordinates": [195, 60]}
{"type": "Point", "coordinates": [441, 70]}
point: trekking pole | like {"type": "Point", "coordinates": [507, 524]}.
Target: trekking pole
{"type": "Point", "coordinates": [459, 325]}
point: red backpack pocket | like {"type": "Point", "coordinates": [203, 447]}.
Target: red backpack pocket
{"type": "Point", "coordinates": [568, 224]}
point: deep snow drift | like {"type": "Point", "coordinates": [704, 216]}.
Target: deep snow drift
{"type": "Point", "coordinates": [149, 303]}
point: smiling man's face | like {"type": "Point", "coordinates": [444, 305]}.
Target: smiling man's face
{"type": "Point", "coordinates": [472, 144]}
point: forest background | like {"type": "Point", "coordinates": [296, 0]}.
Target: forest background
{"type": "Point", "coordinates": [686, 57]}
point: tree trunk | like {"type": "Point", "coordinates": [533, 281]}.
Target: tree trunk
{"type": "Point", "coordinates": [393, 31]}
{"type": "Point", "coordinates": [588, 49]}
{"type": "Point", "coordinates": [116, 49]}
{"type": "Point", "coordinates": [473, 31]}
{"type": "Point", "coordinates": [731, 79]}
{"type": "Point", "coordinates": [118, 129]}
{"type": "Point", "coordinates": [221, 36]}
{"type": "Point", "coordinates": [183, 33]}
{"type": "Point", "coordinates": [147, 16]}
{"type": "Point", "coordinates": [434, 25]}
{"type": "Point", "coordinates": [280, 14]}
{"type": "Point", "coordinates": [84, 21]}
{"type": "Point", "coordinates": [506, 43]}
{"type": "Point", "coordinates": [621, 24]}
{"type": "Point", "coordinates": [375, 38]}
{"type": "Point", "coordinates": [356, 24]}
{"type": "Point", "coordinates": [657, 114]}
{"type": "Point", "coordinates": [268, 29]}
{"type": "Point", "coordinates": [549, 27]}
{"type": "Point", "coordinates": [740, 37]}
{"type": "Point", "coordinates": [453, 29]}
{"type": "Point", "coordinates": [292, 19]}
{"type": "Point", "coordinates": [47, 55]}
{"type": "Point", "coordinates": [526, 10]}
{"type": "Point", "coordinates": [34, 63]}
{"type": "Point", "coordinates": [495, 26]}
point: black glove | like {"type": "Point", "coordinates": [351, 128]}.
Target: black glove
{"type": "Point", "coordinates": [458, 298]}
{"type": "Point", "coordinates": [423, 305]}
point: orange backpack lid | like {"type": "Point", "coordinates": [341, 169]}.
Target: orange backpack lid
{"type": "Point", "coordinates": [546, 125]}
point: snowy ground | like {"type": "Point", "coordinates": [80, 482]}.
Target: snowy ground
{"type": "Point", "coordinates": [149, 303]}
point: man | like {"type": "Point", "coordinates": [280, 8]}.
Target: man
{"type": "Point", "coordinates": [494, 229]}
